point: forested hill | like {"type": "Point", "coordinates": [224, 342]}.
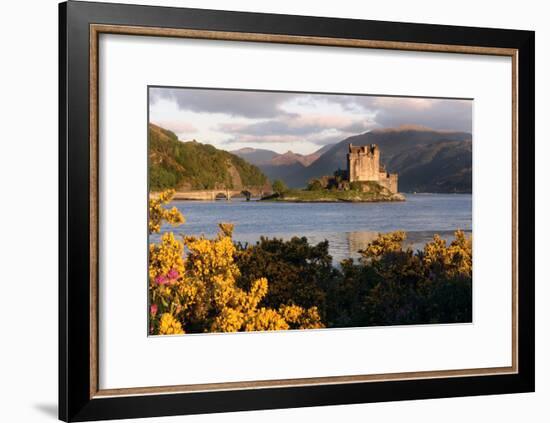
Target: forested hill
{"type": "Point", "coordinates": [195, 166]}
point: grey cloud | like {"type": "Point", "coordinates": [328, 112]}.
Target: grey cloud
{"type": "Point", "coordinates": [250, 104]}
{"type": "Point", "coordinates": [433, 113]}
{"type": "Point", "coordinates": [376, 111]}
{"type": "Point", "coordinates": [452, 114]}
{"type": "Point", "coordinates": [275, 127]}
{"type": "Point", "coordinates": [332, 139]}
{"type": "Point", "coordinates": [358, 127]}
{"type": "Point", "coordinates": [443, 114]}
{"type": "Point", "coordinates": [299, 126]}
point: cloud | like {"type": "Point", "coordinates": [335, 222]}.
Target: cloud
{"type": "Point", "coordinates": [250, 104]}
{"type": "Point", "coordinates": [312, 130]}
{"type": "Point", "coordinates": [264, 139]}
{"type": "Point", "coordinates": [177, 126]}
{"type": "Point", "coordinates": [387, 112]}
{"type": "Point", "coordinates": [390, 103]}
{"type": "Point", "coordinates": [433, 113]}
{"type": "Point", "coordinates": [301, 120]}
{"type": "Point", "coordinates": [299, 125]}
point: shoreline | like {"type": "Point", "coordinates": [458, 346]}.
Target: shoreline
{"type": "Point", "coordinates": [303, 196]}
{"type": "Point", "coordinates": [341, 200]}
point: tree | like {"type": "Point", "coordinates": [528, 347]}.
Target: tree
{"type": "Point", "coordinates": [298, 273]}
{"type": "Point", "coordinates": [315, 185]}
{"type": "Point", "coordinates": [279, 187]}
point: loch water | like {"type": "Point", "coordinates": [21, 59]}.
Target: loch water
{"type": "Point", "coordinates": [348, 227]}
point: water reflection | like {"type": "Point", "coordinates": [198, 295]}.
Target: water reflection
{"type": "Point", "coordinates": [348, 244]}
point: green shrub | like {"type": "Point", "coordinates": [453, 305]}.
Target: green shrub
{"type": "Point", "coordinates": [315, 185]}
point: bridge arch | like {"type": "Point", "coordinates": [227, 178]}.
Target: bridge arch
{"type": "Point", "coordinates": [221, 195]}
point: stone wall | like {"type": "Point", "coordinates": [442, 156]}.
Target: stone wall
{"type": "Point", "coordinates": [364, 165]}
{"type": "Point", "coordinates": [389, 180]}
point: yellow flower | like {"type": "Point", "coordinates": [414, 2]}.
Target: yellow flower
{"type": "Point", "coordinates": [169, 325]}
{"type": "Point", "coordinates": [194, 283]}
{"type": "Point", "coordinates": [385, 243]}
{"type": "Point", "coordinates": [158, 214]}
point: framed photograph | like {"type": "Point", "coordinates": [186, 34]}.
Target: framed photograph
{"type": "Point", "coordinates": [268, 211]}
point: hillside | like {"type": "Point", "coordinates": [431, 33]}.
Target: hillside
{"type": "Point", "coordinates": [255, 156]}
{"type": "Point", "coordinates": [426, 160]}
{"type": "Point", "coordinates": [289, 158]}
{"type": "Point", "coordinates": [287, 166]}
{"type": "Point", "coordinates": [260, 157]}
{"type": "Point", "coordinates": [193, 166]}
{"type": "Point", "coordinates": [290, 173]}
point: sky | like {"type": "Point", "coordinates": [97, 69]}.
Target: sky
{"type": "Point", "coordinates": [299, 122]}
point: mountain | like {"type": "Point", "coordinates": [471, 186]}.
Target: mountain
{"type": "Point", "coordinates": [270, 158]}
{"type": "Point", "coordinates": [289, 173]}
{"type": "Point", "coordinates": [314, 156]}
{"type": "Point", "coordinates": [255, 156]}
{"type": "Point", "coordinates": [288, 158]}
{"type": "Point", "coordinates": [426, 160]}
{"type": "Point", "coordinates": [287, 166]}
{"type": "Point", "coordinates": [444, 166]}
{"type": "Point", "coordinates": [192, 165]}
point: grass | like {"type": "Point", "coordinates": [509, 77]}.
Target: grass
{"type": "Point", "coordinates": [331, 196]}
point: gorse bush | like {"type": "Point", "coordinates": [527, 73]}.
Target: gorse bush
{"type": "Point", "coordinates": [192, 285]}
{"type": "Point", "coordinates": [298, 272]}
{"type": "Point", "coordinates": [201, 285]}
{"type": "Point", "coordinates": [393, 285]}
{"type": "Point", "coordinates": [389, 285]}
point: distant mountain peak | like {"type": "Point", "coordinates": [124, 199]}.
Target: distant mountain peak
{"type": "Point", "coordinates": [288, 158]}
{"type": "Point", "coordinates": [244, 150]}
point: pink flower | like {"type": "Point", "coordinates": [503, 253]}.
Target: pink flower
{"type": "Point", "coordinates": [154, 309]}
{"type": "Point", "coordinates": [161, 279]}
{"type": "Point", "coordinates": [173, 274]}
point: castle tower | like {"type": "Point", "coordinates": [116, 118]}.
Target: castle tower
{"type": "Point", "coordinates": [363, 163]}
{"type": "Point", "coordinates": [364, 166]}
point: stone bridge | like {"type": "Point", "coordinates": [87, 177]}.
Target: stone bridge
{"type": "Point", "coordinates": [210, 195]}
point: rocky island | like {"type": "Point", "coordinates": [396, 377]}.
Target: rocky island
{"type": "Point", "coordinates": [365, 180]}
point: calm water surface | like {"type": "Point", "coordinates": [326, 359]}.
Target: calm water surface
{"type": "Point", "coordinates": [348, 227]}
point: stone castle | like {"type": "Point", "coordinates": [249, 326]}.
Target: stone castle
{"type": "Point", "coordinates": [364, 166]}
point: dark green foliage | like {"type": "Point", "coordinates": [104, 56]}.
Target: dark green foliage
{"type": "Point", "coordinates": [315, 185]}
{"type": "Point", "coordinates": [355, 186]}
{"type": "Point", "coordinates": [191, 165]}
{"type": "Point", "coordinates": [450, 300]}
{"type": "Point", "coordinates": [162, 178]}
{"type": "Point", "coordinates": [396, 288]}
{"type": "Point", "coordinates": [297, 273]}
{"type": "Point", "coordinates": [400, 288]}
{"type": "Point", "coordinates": [279, 187]}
